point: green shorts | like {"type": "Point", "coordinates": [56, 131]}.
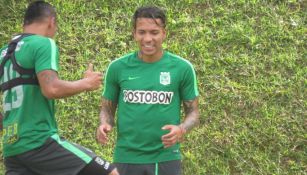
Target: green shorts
{"type": "Point", "coordinates": [57, 156]}
{"type": "Point", "coordinates": [161, 168]}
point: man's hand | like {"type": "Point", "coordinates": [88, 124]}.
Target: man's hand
{"type": "Point", "coordinates": [114, 172]}
{"type": "Point", "coordinates": [175, 135]}
{"type": "Point", "coordinates": [93, 79]}
{"type": "Point", "coordinates": [102, 132]}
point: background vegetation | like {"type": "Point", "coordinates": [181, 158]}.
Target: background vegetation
{"type": "Point", "coordinates": [250, 58]}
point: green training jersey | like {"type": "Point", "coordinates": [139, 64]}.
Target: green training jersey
{"type": "Point", "coordinates": [28, 116]}
{"type": "Point", "coordinates": [149, 96]}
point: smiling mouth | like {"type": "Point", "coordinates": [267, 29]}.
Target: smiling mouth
{"type": "Point", "coordinates": [146, 46]}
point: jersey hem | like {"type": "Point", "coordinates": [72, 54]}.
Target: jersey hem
{"type": "Point", "coordinates": [192, 98]}
{"type": "Point", "coordinates": [21, 151]}
{"type": "Point", "coordinates": [145, 162]}
{"type": "Point", "coordinates": [10, 154]}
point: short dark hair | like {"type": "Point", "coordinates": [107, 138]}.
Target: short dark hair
{"type": "Point", "coordinates": [37, 11]}
{"type": "Point", "coordinates": [149, 12]}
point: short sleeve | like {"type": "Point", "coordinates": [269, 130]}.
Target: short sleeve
{"type": "Point", "coordinates": [111, 87]}
{"type": "Point", "coordinates": [188, 88]}
{"type": "Point", "coordinates": [46, 56]}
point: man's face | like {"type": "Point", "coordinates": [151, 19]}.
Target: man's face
{"type": "Point", "coordinates": [149, 34]}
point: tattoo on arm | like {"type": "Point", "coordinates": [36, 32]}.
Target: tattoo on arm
{"type": "Point", "coordinates": [107, 111]}
{"type": "Point", "coordinates": [48, 76]}
{"type": "Point", "coordinates": [192, 114]}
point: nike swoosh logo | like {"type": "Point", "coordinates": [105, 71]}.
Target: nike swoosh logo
{"type": "Point", "coordinates": [133, 78]}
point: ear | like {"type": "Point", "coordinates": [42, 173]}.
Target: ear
{"type": "Point", "coordinates": [52, 21]}
{"type": "Point", "coordinates": [133, 32]}
{"type": "Point", "coordinates": [52, 27]}
{"type": "Point", "coordinates": [164, 32]}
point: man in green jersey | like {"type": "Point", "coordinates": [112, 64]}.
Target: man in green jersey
{"type": "Point", "coordinates": [147, 87]}
{"type": "Point", "coordinates": [30, 83]}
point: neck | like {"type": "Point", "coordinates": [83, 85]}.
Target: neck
{"type": "Point", "coordinates": [37, 29]}
{"type": "Point", "coordinates": [150, 58]}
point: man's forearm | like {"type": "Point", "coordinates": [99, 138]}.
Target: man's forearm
{"type": "Point", "coordinates": [107, 112]}
{"type": "Point", "coordinates": [192, 114]}
{"type": "Point", "coordinates": [53, 87]}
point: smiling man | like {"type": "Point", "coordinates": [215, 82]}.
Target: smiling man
{"type": "Point", "coordinates": [147, 87]}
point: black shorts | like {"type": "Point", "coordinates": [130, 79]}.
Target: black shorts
{"type": "Point", "coordinates": [57, 157]}
{"type": "Point", "coordinates": [161, 168]}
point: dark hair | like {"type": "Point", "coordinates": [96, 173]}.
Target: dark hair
{"type": "Point", "coordinates": [37, 11]}
{"type": "Point", "coordinates": [149, 12]}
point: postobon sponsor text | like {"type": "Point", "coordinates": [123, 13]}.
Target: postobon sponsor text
{"type": "Point", "coordinates": [147, 97]}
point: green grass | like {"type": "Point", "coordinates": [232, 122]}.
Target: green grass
{"type": "Point", "coordinates": [250, 58]}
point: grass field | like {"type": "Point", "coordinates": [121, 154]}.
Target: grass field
{"type": "Point", "coordinates": [250, 59]}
